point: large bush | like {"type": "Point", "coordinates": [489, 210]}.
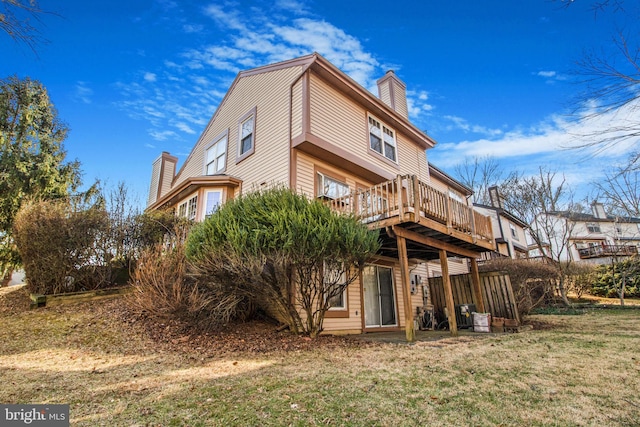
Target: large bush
{"type": "Point", "coordinates": [61, 247]}
{"type": "Point", "coordinates": [283, 251]}
{"type": "Point", "coordinates": [609, 278]}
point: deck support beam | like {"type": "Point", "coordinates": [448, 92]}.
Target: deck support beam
{"type": "Point", "coordinates": [448, 294]}
{"type": "Point", "coordinates": [475, 286]}
{"type": "Point", "coordinates": [406, 289]}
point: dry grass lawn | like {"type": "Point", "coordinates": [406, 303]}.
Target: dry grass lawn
{"type": "Point", "coordinates": [578, 370]}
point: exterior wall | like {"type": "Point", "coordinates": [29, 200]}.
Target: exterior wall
{"type": "Point", "coordinates": [269, 94]}
{"type": "Point", "coordinates": [306, 170]}
{"type": "Point", "coordinates": [338, 120]}
{"type": "Point", "coordinates": [296, 109]}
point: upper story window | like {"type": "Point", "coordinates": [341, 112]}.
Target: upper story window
{"type": "Point", "coordinates": [246, 134]}
{"type": "Point", "coordinates": [331, 188]}
{"type": "Point", "coordinates": [382, 139]}
{"type": "Point", "coordinates": [514, 232]}
{"type": "Point", "coordinates": [593, 227]}
{"type": "Point", "coordinates": [216, 156]}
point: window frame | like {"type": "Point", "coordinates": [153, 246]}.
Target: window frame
{"type": "Point", "coordinates": [188, 208]}
{"type": "Point", "coordinates": [514, 232]}
{"type": "Point", "coordinates": [321, 176]}
{"type": "Point", "coordinates": [383, 142]}
{"type": "Point", "coordinates": [338, 311]}
{"type": "Point", "coordinates": [206, 199]}
{"type": "Point", "coordinates": [593, 227]}
{"type": "Point", "coordinates": [240, 156]}
{"type": "Point", "coordinates": [223, 136]}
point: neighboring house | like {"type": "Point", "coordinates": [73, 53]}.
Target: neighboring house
{"type": "Point", "coordinates": [595, 238]}
{"type": "Point", "coordinates": [508, 230]}
{"type": "Point", "coordinates": [305, 124]}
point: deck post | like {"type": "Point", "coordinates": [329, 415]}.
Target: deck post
{"type": "Point", "coordinates": [406, 288]}
{"type": "Point", "coordinates": [475, 286]}
{"type": "Point", "coordinates": [448, 293]}
{"type": "Point", "coordinates": [417, 202]}
{"type": "Point", "coordinates": [399, 196]}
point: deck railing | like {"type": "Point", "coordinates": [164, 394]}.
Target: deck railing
{"type": "Point", "coordinates": [608, 250]}
{"type": "Point", "coordinates": [408, 198]}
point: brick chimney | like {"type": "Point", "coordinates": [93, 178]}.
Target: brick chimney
{"type": "Point", "coordinates": [162, 174]}
{"type": "Point", "coordinates": [393, 92]}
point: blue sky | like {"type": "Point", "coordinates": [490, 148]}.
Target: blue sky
{"type": "Point", "coordinates": [135, 78]}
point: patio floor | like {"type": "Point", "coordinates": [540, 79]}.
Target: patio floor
{"type": "Point", "coordinates": [399, 337]}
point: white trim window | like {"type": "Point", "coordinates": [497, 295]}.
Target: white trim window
{"type": "Point", "coordinates": [338, 278]}
{"type": "Point", "coordinates": [331, 188]}
{"type": "Point", "coordinates": [514, 231]}
{"type": "Point", "coordinates": [216, 156]}
{"type": "Point", "coordinates": [188, 208]}
{"type": "Point", "coordinates": [382, 139]}
{"type": "Point", "coordinates": [246, 134]}
{"type": "Point", "coordinates": [593, 227]}
{"type": "Point", "coordinates": [213, 200]}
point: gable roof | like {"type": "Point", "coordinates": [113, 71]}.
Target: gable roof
{"type": "Point", "coordinates": [501, 211]}
{"type": "Point", "coordinates": [449, 180]}
{"type": "Point", "coordinates": [592, 218]}
{"type": "Point", "coordinates": [339, 80]}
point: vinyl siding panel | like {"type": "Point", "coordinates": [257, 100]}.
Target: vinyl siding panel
{"type": "Point", "coordinates": [269, 93]}
{"type": "Point", "coordinates": [400, 101]}
{"type": "Point", "coordinates": [167, 178]}
{"type": "Point", "coordinates": [338, 120]}
{"type": "Point", "coordinates": [296, 109]}
{"type": "Point", "coordinates": [306, 178]}
{"type": "Point", "coordinates": [155, 181]}
{"type": "Point", "coordinates": [384, 93]}
{"type": "Point", "coordinates": [353, 323]}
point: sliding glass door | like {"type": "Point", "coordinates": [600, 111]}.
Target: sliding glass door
{"type": "Point", "coordinates": [379, 298]}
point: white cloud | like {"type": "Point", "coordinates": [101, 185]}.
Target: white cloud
{"type": "Point", "coordinates": [191, 28]}
{"type": "Point", "coordinates": [564, 140]}
{"type": "Point", "coordinates": [462, 124]}
{"type": "Point", "coordinates": [150, 77]}
{"type": "Point", "coordinates": [162, 135]}
{"type": "Point", "coordinates": [547, 73]}
{"type": "Point", "coordinates": [83, 93]}
{"type": "Point", "coordinates": [185, 128]}
{"type": "Point", "coordinates": [190, 84]}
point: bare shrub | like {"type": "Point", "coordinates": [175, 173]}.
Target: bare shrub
{"type": "Point", "coordinates": [580, 279]}
{"type": "Point", "coordinates": [533, 282]}
{"type": "Point", "coordinates": [164, 287]}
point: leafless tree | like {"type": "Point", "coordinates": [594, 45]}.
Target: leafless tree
{"type": "Point", "coordinates": [479, 173]}
{"type": "Point", "coordinates": [545, 201]}
{"type": "Point", "coordinates": [620, 188]}
{"type": "Point", "coordinates": [20, 20]}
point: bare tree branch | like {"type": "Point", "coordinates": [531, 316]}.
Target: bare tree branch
{"type": "Point", "coordinates": [20, 20]}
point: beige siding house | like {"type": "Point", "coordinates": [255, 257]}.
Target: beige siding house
{"type": "Point", "coordinates": [305, 124]}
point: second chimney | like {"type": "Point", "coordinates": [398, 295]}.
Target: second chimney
{"type": "Point", "coordinates": [393, 92]}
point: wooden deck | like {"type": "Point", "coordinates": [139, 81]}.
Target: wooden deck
{"type": "Point", "coordinates": [608, 251]}
{"type": "Point", "coordinates": [428, 218]}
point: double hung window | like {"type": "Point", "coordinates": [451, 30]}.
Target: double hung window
{"type": "Point", "coordinates": [216, 155]}
{"type": "Point", "coordinates": [382, 139]}
{"type": "Point", "coordinates": [246, 135]}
